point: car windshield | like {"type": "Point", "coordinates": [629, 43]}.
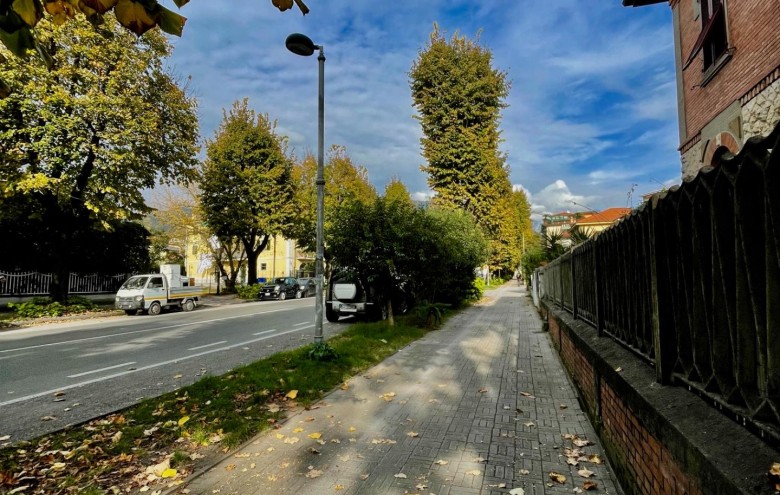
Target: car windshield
{"type": "Point", "coordinates": [303, 281]}
{"type": "Point", "coordinates": [135, 283]}
{"type": "Point", "coordinates": [280, 280]}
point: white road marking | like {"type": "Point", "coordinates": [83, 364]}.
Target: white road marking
{"type": "Point", "coordinates": [206, 345]}
{"type": "Point", "coordinates": [101, 369]}
{"type": "Point", "coordinates": [144, 368]}
{"type": "Point", "coordinates": [299, 324]}
{"type": "Point", "coordinates": [138, 331]}
{"type": "Point", "coordinates": [265, 332]}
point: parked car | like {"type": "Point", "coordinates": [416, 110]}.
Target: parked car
{"type": "Point", "coordinates": [306, 287]}
{"type": "Point", "coordinates": [280, 288]}
{"type": "Point", "coordinates": [348, 295]}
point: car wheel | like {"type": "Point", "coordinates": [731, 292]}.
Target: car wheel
{"type": "Point", "coordinates": [131, 312]}
{"type": "Point", "coordinates": [331, 315]}
{"type": "Point", "coordinates": [282, 296]}
{"type": "Point", "coordinates": [298, 294]}
{"type": "Point", "coordinates": [188, 305]}
{"type": "Point", "coordinates": [154, 309]}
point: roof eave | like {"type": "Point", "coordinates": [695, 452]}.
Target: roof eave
{"type": "Point", "coordinates": [640, 3]}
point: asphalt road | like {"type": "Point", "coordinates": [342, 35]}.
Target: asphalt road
{"type": "Point", "coordinates": [56, 375]}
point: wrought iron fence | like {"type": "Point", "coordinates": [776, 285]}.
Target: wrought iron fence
{"type": "Point", "coordinates": [690, 281]}
{"type": "Point", "coordinates": [39, 284]}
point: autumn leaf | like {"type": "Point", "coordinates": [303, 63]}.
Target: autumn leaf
{"type": "Point", "coordinates": [3, 438]}
{"type": "Point", "coordinates": [315, 436]}
{"type": "Point", "coordinates": [582, 442]}
{"type": "Point", "coordinates": [297, 430]}
{"type": "Point", "coordinates": [585, 473]}
{"type": "Point", "coordinates": [595, 459]}
{"type": "Point", "coordinates": [400, 476]}
{"type": "Point", "coordinates": [524, 471]}
{"type": "Point", "coordinates": [482, 390]}
{"type": "Point", "coordinates": [526, 394]}
{"type": "Point", "coordinates": [352, 428]}
{"type": "Point", "coordinates": [516, 491]}
{"type": "Point", "coordinates": [291, 440]}
{"type": "Point", "coordinates": [168, 473]}
{"type": "Point", "coordinates": [134, 16]}
{"type": "Point", "coordinates": [292, 394]}
{"type": "Point", "coordinates": [474, 472]}
{"type": "Point", "coordinates": [590, 485]}
{"type": "Point", "coordinates": [183, 420]}
{"type": "Point", "coordinates": [412, 434]}
{"type": "Point", "coordinates": [557, 477]}
{"type": "Point", "coordinates": [314, 473]}
{"type": "Point", "coordinates": [774, 470]}
{"type": "Point", "coordinates": [388, 397]}
{"type": "Point", "coordinates": [441, 462]}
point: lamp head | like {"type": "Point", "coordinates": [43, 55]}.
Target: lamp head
{"type": "Point", "coordinates": [300, 44]}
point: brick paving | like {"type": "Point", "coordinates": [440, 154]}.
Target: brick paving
{"type": "Point", "coordinates": [477, 407]}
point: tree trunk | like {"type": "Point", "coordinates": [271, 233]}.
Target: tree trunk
{"type": "Point", "coordinates": [390, 319]}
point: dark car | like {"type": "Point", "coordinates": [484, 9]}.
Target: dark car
{"type": "Point", "coordinates": [306, 287]}
{"type": "Point", "coordinates": [280, 288]}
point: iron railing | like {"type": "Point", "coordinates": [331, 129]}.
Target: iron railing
{"type": "Point", "coordinates": [39, 284]}
{"type": "Point", "coordinates": [690, 281]}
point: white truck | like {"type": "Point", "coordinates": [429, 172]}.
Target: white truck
{"type": "Point", "coordinates": [152, 292]}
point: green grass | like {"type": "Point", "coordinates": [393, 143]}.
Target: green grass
{"type": "Point", "coordinates": [230, 408]}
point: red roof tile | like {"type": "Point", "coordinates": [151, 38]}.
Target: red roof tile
{"type": "Point", "coordinates": [608, 216]}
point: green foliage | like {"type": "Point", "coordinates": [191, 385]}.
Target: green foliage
{"type": "Point", "coordinates": [479, 288]}
{"type": "Point", "coordinates": [82, 137]}
{"type": "Point", "coordinates": [459, 97]}
{"type": "Point", "coordinates": [45, 307]}
{"type": "Point", "coordinates": [247, 188]}
{"type": "Point", "coordinates": [321, 351]}
{"type": "Point", "coordinates": [249, 291]}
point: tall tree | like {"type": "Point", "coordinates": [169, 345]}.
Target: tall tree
{"type": "Point", "coordinates": [345, 182]}
{"type": "Point", "coordinates": [459, 97]}
{"type": "Point", "coordinates": [83, 137]}
{"type": "Point", "coordinates": [247, 187]}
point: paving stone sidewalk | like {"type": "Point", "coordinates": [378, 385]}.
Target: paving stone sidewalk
{"type": "Point", "coordinates": [478, 407]}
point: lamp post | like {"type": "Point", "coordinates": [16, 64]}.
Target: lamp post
{"type": "Point", "coordinates": [300, 44]}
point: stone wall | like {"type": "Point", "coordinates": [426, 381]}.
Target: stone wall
{"type": "Point", "coordinates": [761, 114]}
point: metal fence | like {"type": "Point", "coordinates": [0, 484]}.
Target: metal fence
{"type": "Point", "coordinates": [39, 284]}
{"type": "Point", "coordinates": [690, 282]}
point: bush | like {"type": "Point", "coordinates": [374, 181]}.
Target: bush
{"type": "Point", "coordinates": [248, 291]}
{"type": "Point", "coordinates": [478, 288]}
{"type": "Point", "coordinates": [321, 351]}
{"type": "Point", "coordinates": [42, 307]}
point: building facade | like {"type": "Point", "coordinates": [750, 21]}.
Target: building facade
{"type": "Point", "coordinates": [727, 59]}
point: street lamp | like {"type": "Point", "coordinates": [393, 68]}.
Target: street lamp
{"type": "Point", "coordinates": [301, 44]}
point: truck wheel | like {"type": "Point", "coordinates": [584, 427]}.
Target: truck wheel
{"type": "Point", "coordinates": [298, 294]}
{"type": "Point", "coordinates": [188, 305]}
{"type": "Point", "coordinates": [131, 312]}
{"type": "Point", "coordinates": [154, 309]}
{"type": "Point", "coordinates": [331, 315]}
{"type": "Point", "coordinates": [282, 296]}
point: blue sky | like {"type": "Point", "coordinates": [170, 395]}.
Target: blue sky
{"type": "Point", "coordinates": [592, 107]}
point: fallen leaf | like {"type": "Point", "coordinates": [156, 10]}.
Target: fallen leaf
{"type": "Point", "coordinates": [273, 408]}
{"type": "Point", "coordinates": [557, 477]}
{"type": "Point", "coordinates": [421, 487]}
{"type": "Point", "coordinates": [297, 430]}
{"type": "Point", "coordinates": [314, 473]}
{"type": "Point", "coordinates": [59, 394]}
{"type": "Point", "coordinates": [479, 459]}
{"type": "Point", "coordinates": [291, 440]}
{"type": "Point", "coordinates": [376, 441]}
{"type": "Point", "coordinates": [571, 461]}
{"type": "Point", "coordinates": [178, 375]}
{"type": "Point", "coordinates": [400, 475]}
{"type": "Point", "coordinates": [230, 467]}
{"type": "Point", "coordinates": [529, 424]}
{"type": "Point", "coordinates": [524, 471]}
{"type": "Point", "coordinates": [4, 438]}
{"type": "Point", "coordinates": [352, 428]}
{"type": "Point", "coordinates": [517, 491]}
{"type": "Point", "coordinates": [563, 406]}
{"type": "Point", "coordinates": [590, 485]}
{"type": "Point", "coordinates": [526, 394]}
{"type": "Point", "coordinates": [292, 394]}
{"type": "Point", "coordinates": [48, 418]}
{"type": "Point", "coordinates": [117, 437]}
{"type": "Point", "coordinates": [315, 436]}
{"type": "Point", "coordinates": [339, 487]}
{"type": "Point", "coordinates": [618, 369]}
{"type": "Point", "coordinates": [774, 470]}
{"type": "Point", "coordinates": [474, 472]}
{"type": "Point", "coordinates": [168, 473]}
{"type": "Point", "coordinates": [585, 473]}
{"type": "Point", "coordinates": [158, 469]}
{"type": "Point", "coordinates": [183, 420]}
{"type": "Point", "coordinates": [482, 390]}
{"type": "Point", "coordinates": [383, 341]}
{"type": "Point", "coordinates": [388, 397]}
{"type": "Point", "coordinates": [242, 455]}
{"type": "Point", "coordinates": [595, 459]}
{"type": "Point", "coordinates": [314, 451]}
{"type": "Point", "coordinates": [58, 466]}
{"type": "Point", "coordinates": [441, 462]}
{"type": "Point", "coordinates": [412, 434]}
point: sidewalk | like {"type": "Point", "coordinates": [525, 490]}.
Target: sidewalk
{"type": "Point", "coordinates": [478, 407]}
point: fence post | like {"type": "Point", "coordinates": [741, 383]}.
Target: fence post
{"type": "Point", "coordinates": [663, 353]}
{"type": "Point", "coordinates": [597, 275]}
{"type": "Point", "coordinates": [560, 281]}
{"type": "Point", "coordinates": [573, 285]}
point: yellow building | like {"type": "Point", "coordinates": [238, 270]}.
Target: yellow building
{"type": "Point", "coordinates": [282, 257]}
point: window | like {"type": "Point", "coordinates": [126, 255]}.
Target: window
{"type": "Point", "coordinates": [156, 283]}
{"type": "Point", "coordinates": [263, 266]}
{"type": "Point", "coordinates": [713, 39]}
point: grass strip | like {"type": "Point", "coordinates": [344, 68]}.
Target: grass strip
{"type": "Point", "coordinates": [158, 439]}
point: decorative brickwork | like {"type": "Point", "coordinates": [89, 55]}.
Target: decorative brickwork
{"type": "Point", "coordinates": [761, 113]}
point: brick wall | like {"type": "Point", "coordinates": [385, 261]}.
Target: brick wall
{"type": "Point", "coordinates": [753, 32]}
{"type": "Point", "coordinates": [580, 371]}
{"type": "Point", "coordinates": [652, 467]}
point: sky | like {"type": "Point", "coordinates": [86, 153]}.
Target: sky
{"type": "Point", "coordinates": [591, 121]}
